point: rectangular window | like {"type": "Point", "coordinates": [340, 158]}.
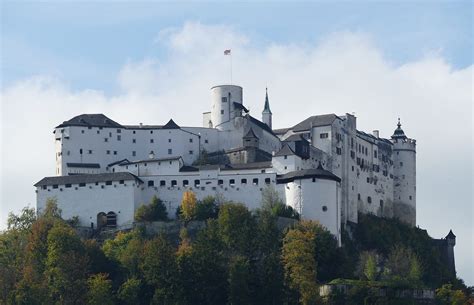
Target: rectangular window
{"type": "Point", "coordinates": [89, 152]}
{"type": "Point", "coordinates": [401, 163]}
{"type": "Point", "coordinates": [338, 150]}
{"type": "Point", "coordinates": [108, 152]}
{"type": "Point", "coordinates": [134, 132]}
{"type": "Point", "coordinates": [151, 183]}
{"type": "Point", "coordinates": [134, 140]}
{"type": "Point", "coordinates": [151, 131]}
{"type": "Point", "coordinates": [82, 184]}
{"type": "Point", "coordinates": [162, 183]}
{"type": "Point", "coordinates": [267, 180]}
{"type": "Point", "coordinates": [323, 135]}
{"type": "Point", "coordinates": [68, 185]}
{"type": "Point", "coordinates": [170, 151]}
{"type": "Point", "coordinates": [55, 186]}
{"type": "Point", "coordinates": [206, 141]}
{"type": "Point", "coordinates": [358, 196]}
{"type": "Point", "coordinates": [185, 182]}
{"type": "Point", "coordinates": [224, 100]}
{"type": "Point", "coordinates": [174, 182]}
{"type": "Point", "coordinates": [191, 140]}
{"type": "Point", "coordinates": [134, 153]}
{"type": "Point", "coordinates": [119, 138]}
{"type": "Point", "coordinates": [220, 182]}
{"type": "Point", "coordinates": [191, 152]}
{"type": "Point", "coordinates": [222, 111]}
{"type": "Point", "coordinates": [152, 141]}
{"type": "Point", "coordinates": [106, 139]}
{"type": "Point", "coordinates": [243, 181]}
{"type": "Point", "coordinates": [169, 140]}
{"type": "Point", "coordinates": [121, 181]}
{"type": "Point", "coordinates": [232, 181]}
{"type": "Point", "coordinates": [197, 182]}
{"type": "Point", "coordinates": [119, 131]}
{"type": "Point", "coordinates": [375, 154]}
{"type": "Point", "coordinates": [255, 181]}
{"type": "Point", "coordinates": [106, 183]}
{"type": "Point", "coordinates": [115, 152]}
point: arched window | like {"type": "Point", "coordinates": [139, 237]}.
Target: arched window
{"type": "Point", "coordinates": [111, 219]}
{"type": "Point", "coordinates": [101, 220]}
{"type": "Point", "coordinates": [185, 182]}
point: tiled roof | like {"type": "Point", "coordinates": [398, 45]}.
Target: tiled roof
{"type": "Point", "coordinates": [87, 178]}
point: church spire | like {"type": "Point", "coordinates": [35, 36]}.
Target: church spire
{"type": "Point", "coordinates": [267, 113]}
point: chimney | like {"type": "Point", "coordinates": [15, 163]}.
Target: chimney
{"type": "Point", "coordinates": [141, 125]}
{"type": "Point", "coordinates": [375, 133]}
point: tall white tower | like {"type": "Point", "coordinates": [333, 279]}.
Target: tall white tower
{"type": "Point", "coordinates": [226, 105]}
{"type": "Point", "coordinates": [267, 113]}
{"type": "Point", "coordinates": [404, 176]}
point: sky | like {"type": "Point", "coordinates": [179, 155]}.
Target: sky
{"type": "Point", "coordinates": [152, 61]}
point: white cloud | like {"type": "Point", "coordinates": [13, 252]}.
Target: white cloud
{"type": "Point", "coordinates": [345, 72]}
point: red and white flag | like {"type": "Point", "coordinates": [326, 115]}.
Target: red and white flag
{"type": "Point", "coordinates": [227, 52]}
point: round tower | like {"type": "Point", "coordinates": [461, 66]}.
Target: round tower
{"type": "Point", "coordinates": [404, 176]}
{"type": "Point", "coordinates": [226, 105]}
{"type": "Point", "coordinates": [267, 113]}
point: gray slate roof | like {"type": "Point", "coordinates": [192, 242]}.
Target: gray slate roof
{"type": "Point", "coordinates": [87, 178]}
{"type": "Point", "coordinates": [308, 174]}
{"type": "Point", "coordinates": [295, 137]}
{"type": "Point", "coordinates": [260, 124]}
{"type": "Point", "coordinates": [285, 151]}
{"type": "Point", "coordinates": [315, 121]}
{"type": "Point", "coordinates": [91, 120]}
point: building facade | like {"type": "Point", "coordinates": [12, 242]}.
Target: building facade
{"type": "Point", "coordinates": [323, 166]}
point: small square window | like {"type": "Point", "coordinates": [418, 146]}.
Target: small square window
{"type": "Point", "coordinates": [107, 183]}
{"type": "Point", "coordinates": [206, 141]}
{"type": "Point", "coordinates": [191, 140]}
{"type": "Point", "coordinates": [82, 184]}
{"type": "Point", "coordinates": [152, 141]}
{"type": "Point", "coordinates": [108, 152]}
{"type": "Point", "coordinates": [82, 131]}
{"type": "Point", "coordinates": [162, 183]}
{"type": "Point", "coordinates": [170, 151]}
{"type": "Point", "coordinates": [191, 152]}
{"type": "Point", "coordinates": [106, 139]}
{"type": "Point", "coordinates": [134, 140]}
{"type": "Point", "coordinates": [115, 152]}
{"type": "Point", "coordinates": [151, 183]}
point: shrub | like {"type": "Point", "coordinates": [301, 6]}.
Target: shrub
{"type": "Point", "coordinates": [154, 211]}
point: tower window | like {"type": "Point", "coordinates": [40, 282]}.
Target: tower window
{"type": "Point", "coordinates": [325, 208]}
{"type": "Point", "coordinates": [222, 111]}
{"type": "Point", "coordinates": [369, 199]}
{"type": "Point", "coordinates": [151, 183]}
{"type": "Point", "coordinates": [224, 99]}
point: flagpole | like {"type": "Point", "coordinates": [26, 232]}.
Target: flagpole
{"type": "Point", "coordinates": [231, 67]}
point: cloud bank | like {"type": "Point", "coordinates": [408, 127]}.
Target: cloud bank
{"type": "Point", "coordinates": [344, 72]}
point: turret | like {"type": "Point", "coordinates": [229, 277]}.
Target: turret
{"type": "Point", "coordinates": [267, 113]}
{"type": "Point", "coordinates": [404, 176]}
{"type": "Point", "coordinates": [450, 243]}
{"type": "Point", "coordinates": [226, 105]}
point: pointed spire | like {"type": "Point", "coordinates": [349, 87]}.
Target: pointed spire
{"type": "Point", "coordinates": [399, 124]}
{"type": "Point", "coordinates": [266, 108]}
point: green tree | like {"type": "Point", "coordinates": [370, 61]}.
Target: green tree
{"type": "Point", "coordinates": [130, 292]}
{"type": "Point", "coordinates": [99, 290]}
{"type": "Point", "coordinates": [239, 278]}
{"type": "Point", "coordinates": [370, 270]}
{"type": "Point", "coordinates": [298, 256]}
{"type": "Point", "coordinates": [66, 265]}
{"type": "Point", "coordinates": [23, 221]}
{"type": "Point", "coordinates": [207, 208]}
{"type": "Point", "coordinates": [154, 211]}
{"type": "Point", "coordinates": [272, 202]}
{"type": "Point", "coordinates": [402, 266]}
{"type": "Point", "coordinates": [237, 228]}
{"type": "Point", "coordinates": [159, 269]}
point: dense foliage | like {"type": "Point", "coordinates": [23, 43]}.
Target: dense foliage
{"type": "Point", "coordinates": [239, 257]}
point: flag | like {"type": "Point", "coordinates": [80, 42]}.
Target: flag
{"type": "Point", "coordinates": [227, 52]}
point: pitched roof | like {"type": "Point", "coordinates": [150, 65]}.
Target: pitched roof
{"type": "Point", "coordinates": [308, 174]}
{"type": "Point", "coordinates": [250, 134]}
{"type": "Point", "coordinates": [285, 151]}
{"type": "Point", "coordinates": [260, 124]}
{"type": "Point", "coordinates": [91, 120]}
{"type": "Point", "coordinates": [280, 131]}
{"type": "Point", "coordinates": [87, 178]}
{"type": "Point", "coordinates": [83, 165]}
{"type": "Point", "coordinates": [170, 125]}
{"type": "Point", "coordinates": [314, 121]}
{"type": "Point", "coordinates": [450, 235]}
{"type": "Point", "coordinates": [118, 162]}
{"type": "Point", "coordinates": [240, 106]}
{"type": "Point", "coordinates": [150, 160]}
{"type": "Point", "coordinates": [253, 165]}
{"type": "Point", "coordinates": [295, 137]}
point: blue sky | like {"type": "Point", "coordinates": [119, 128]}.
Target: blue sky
{"type": "Point", "coordinates": [146, 62]}
{"type": "Point", "coordinates": [87, 43]}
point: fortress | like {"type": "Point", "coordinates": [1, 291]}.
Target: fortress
{"type": "Point", "coordinates": [323, 166]}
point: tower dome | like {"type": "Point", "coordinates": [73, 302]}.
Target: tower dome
{"type": "Point", "coordinates": [399, 133]}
